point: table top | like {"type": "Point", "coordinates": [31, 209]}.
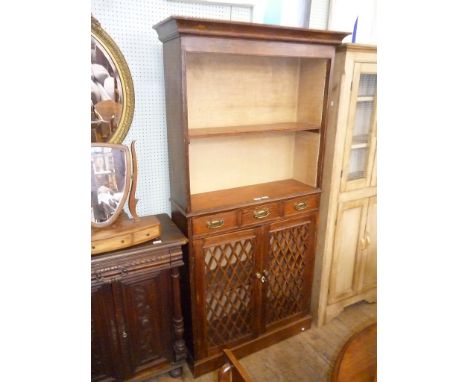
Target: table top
{"type": "Point", "coordinates": [170, 237]}
{"type": "Point", "coordinates": [357, 361]}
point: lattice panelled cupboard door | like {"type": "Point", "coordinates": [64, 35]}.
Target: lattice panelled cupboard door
{"type": "Point", "coordinates": [289, 264]}
{"type": "Point", "coordinates": [229, 263]}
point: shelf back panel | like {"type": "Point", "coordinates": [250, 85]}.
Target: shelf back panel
{"type": "Point", "coordinates": [228, 162]}
{"type": "Point", "coordinates": [236, 90]}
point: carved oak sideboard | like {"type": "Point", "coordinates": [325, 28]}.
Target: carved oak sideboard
{"type": "Point", "coordinates": [136, 319]}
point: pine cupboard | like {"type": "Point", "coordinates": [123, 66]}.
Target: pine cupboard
{"type": "Point", "coordinates": [246, 114]}
{"type": "Point", "coordinates": [346, 268]}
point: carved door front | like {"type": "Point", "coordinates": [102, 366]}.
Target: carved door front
{"type": "Point", "coordinates": [131, 325]}
{"type": "Point", "coordinates": [105, 353]}
{"type": "Point", "coordinates": [146, 334]}
{"type": "Point", "coordinates": [288, 268]}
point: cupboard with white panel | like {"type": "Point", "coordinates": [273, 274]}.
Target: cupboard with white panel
{"type": "Point", "coordinates": [346, 264]}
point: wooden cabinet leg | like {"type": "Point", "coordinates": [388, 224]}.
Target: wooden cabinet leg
{"type": "Point", "coordinates": [177, 319]}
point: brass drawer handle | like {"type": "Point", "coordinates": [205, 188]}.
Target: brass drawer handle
{"type": "Point", "coordinates": [215, 223]}
{"type": "Point", "coordinates": [260, 214]}
{"type": "Point", "coordinates": [299, 206]}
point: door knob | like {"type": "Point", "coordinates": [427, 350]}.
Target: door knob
{"type": "Point", "coordinates": [260, 277]}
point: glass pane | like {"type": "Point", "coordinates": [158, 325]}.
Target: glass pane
{"type": "Point", "coordinates": [358, 163]}
{"type": "Point", "coordinates": [367, 85]}
{"type": "Point", "coordinates": [363, 120]}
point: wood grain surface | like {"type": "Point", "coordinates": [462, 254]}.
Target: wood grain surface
{"type": "Point", "coordinates": [357, 361]}
{"type": "Point", "coordinates": [306, 357]}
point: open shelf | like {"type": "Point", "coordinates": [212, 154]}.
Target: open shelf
{"type": "Point", "coordinates": [252, 129]}
{"type": "Point", "coordinates": [247, 195]}
{"type": "Point", "coordinates": [360, 141]}
{"type": "Point", "coordinates": [365, 98]}
{"type": "Point", "coordinates": [234, 93]}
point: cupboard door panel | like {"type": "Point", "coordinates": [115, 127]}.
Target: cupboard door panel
{"type": "Point", "coordinates": [370, 260]}
{"type": "Point", "coordinates": [347, 249]}
{"type": "Point", "coordinates": [104, 344]}
{"type": "Point", "coordinates": [229, 287]}
{"type": "Point", "coordinates": [147, 314]}
{"type": "Point", "coordinates": [360, 143]}
{"type": "Point", "coordinates": [289, 263]}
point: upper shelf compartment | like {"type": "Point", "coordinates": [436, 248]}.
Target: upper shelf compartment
{"type": "Point", "coordinates": [232, 94]}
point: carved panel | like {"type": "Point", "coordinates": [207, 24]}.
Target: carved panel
{"type": "Point", "coordinates": [148, 314]}
{"type": "Point", "coordinates": [228, 295]}
{"type": "Point", "coordinates": [288, 248]}
{"type": "Point", "coordinates": [104, 345]}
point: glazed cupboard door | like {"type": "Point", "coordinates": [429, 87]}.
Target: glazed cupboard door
{"type": "Point", "coordinates": [360, 143]}
{"type": "Point", "coordinates": [226, 266]}
{"type": "Point", "coordinates": [347, 250]}
{"type": "Point", "coordinates": [288, 270]}
{"type": "Point", "coordinates": [146, 330]}
{"type": "Point", "coordinates": [369, 271]}
{"type": "Point", "coordinates": [105, 348]}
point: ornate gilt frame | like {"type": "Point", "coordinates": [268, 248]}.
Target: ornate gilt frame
{"type": "Point", "coordinates": [127, 83]}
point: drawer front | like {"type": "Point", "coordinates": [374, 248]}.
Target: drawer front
{"type": "Point", "coordinates": [301, 205]}
{"type": "Point", "coordinates": [214, 223]}
{"type": "Point", "coordinates": [259, 214]}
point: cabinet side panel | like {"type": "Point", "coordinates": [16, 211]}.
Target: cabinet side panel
{"type": "Point", "coordinates": [176, 122]}
{"type": "Point", "coordinates": [312, 81]}
{"type": "Point", "coordinates": [330, 186]}
{"type": "Point", "coordinates": [306, 154]}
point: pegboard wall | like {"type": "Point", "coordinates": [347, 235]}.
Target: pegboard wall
{"type": "Point", "coordinates": [130, 24]}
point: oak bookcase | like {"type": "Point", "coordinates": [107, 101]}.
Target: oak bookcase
{"type": "Point", "coordinates": [246, 114]}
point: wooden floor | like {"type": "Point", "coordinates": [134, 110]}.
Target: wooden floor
{"type": "Point", "coordinates": [309, 356]}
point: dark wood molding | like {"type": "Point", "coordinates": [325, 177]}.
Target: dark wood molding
{"type": "Point", "coordinates": [357, 48]}
{"type": "Point", "coordinates": [176, 26]}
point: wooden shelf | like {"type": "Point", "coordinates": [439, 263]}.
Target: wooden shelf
{"type": "Point", "coordinates": [248, 195]}
{"type": "Point", "coordinates": [360, 141]}
{"type": "Point", "coordinates": [251, 129]}
{"type": "Point", "coordinates": [365, 98]}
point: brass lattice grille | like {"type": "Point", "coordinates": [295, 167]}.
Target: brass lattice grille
{"type": "Point", "coordinates": [228, 271]}
{"type": "Point", "coordinates": [286, 272]}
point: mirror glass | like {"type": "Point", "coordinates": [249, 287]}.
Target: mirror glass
{"type": "Point", "coordinates": [112, 95]}
{"type": "Point", "coordinates": [110, 179]}
{"type": "Point", "coordinates": [106, 94]}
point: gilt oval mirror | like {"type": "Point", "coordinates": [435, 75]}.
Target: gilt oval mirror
{"type": "Point", "coordinates": [111, 172]}
{"type": "Point", "coordinates": [112, 96]}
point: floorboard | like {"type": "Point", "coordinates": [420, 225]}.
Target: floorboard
{"type": "Point", "coordinates": [307, 357]}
